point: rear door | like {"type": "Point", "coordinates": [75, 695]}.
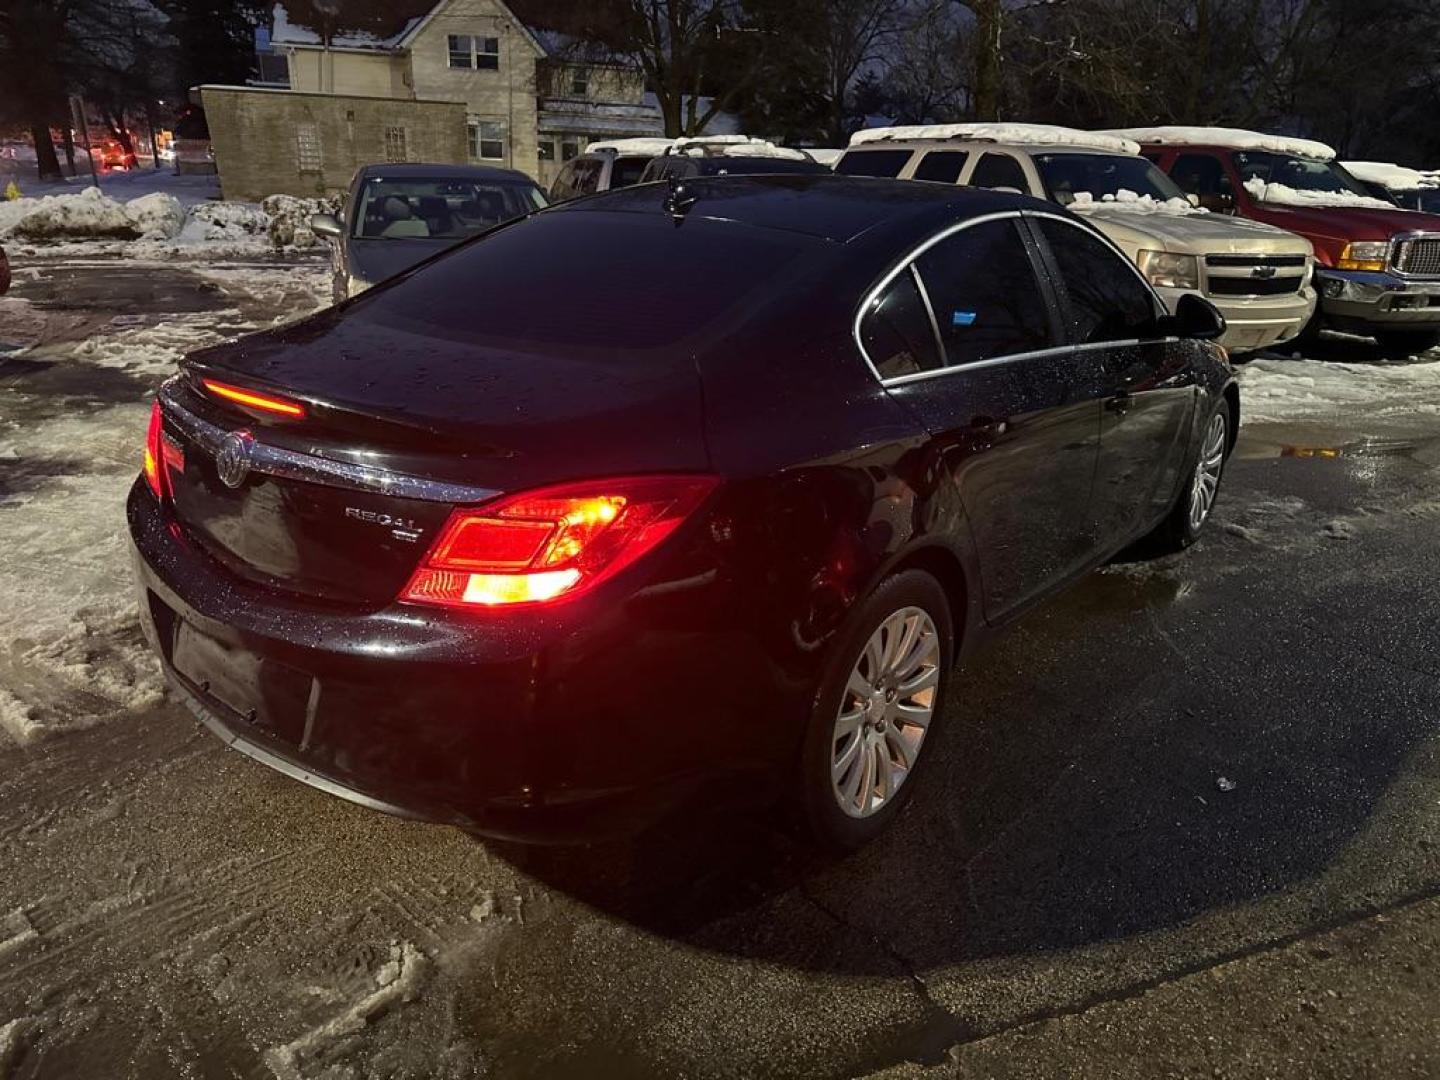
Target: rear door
{"type": "Point", "coordinates": [1147, 383]}
{"type": "Point", "coordinates": [1016, 431]}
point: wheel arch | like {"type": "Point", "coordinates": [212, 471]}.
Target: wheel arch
{"type": "Point", "coordinates": [949, 569]}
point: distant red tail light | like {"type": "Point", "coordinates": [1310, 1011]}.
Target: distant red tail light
{"type": "Point", "coordinates": [254, 399]}
{"type": "Point", "coordinates": [154, 453]}
{"type": "Point", "coordinates": [552, 542]}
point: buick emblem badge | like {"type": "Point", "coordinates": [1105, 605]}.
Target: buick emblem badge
{"type": "Point", "coordinates": [232, 461]}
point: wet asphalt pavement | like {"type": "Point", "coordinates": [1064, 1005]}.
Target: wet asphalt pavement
{"type": "Point", "coordinates": [1182, 820]}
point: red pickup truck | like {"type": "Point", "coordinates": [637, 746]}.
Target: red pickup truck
{"type": "Point", "coordinates": [1377, 267]}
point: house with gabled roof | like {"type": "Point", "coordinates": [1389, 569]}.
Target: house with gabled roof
{"type": "Point", "coordinates": [533, 95]}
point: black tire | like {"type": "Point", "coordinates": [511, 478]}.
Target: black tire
{"type": "Point", "coordinates": [1179, 529]}
{"type": "Point", "coordinates": [1400, 344]}
{"type": "Point", "coordinates": [825, 821]}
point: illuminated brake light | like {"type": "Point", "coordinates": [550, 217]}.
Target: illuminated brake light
{"type": "Point", "coordinates": [154, 454]}
{"type": "Point", "coordinates": [553, 542]}
{"type": "Point", "coordinates": [253, 399]}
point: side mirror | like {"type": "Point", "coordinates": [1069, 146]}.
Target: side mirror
{"type": "Point", "coordinates": [1195, 317]}
{"type": "Point", "coordinates": [325, 225]}
{"type": "Point", "coordinates": [1218, 203]}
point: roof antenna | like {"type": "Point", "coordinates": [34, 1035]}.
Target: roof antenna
{"type": "Point", "coordinates": [678, 199]}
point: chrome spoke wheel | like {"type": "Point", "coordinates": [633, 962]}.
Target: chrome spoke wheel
{"type": "Point", "coordinates": [885, 712]}
{"type": "Point", "coordinates": [1206, 482]}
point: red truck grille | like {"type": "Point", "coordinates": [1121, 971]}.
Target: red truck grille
{"type": "Point", "coordinates": [1419, 256]}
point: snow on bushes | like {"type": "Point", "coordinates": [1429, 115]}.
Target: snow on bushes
{"type": "Point", "coordinates": [290, 219]}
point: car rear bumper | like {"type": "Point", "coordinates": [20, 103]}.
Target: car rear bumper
{"type": "Point", "coordinates": [1357, 300]}
{"type": "Point", "coordinates": [552, 726]}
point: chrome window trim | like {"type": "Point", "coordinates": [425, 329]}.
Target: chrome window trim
{"type": "Point", "coordinates": [908, 261]}
{"type": "Point", "coordinates": [930, 311]}
{"type": "Point", "coordinates": [311, 468]}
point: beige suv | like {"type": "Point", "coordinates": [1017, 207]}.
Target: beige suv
{"type": "Point", "coordinates": [1257, 275]}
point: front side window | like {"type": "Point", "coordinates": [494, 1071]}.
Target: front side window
{"type": "Point", "coordinates": [1107, 299]}
{"type": "Point", "coordinates": [896, 330]}
{"type": "Point", "coordinates": [999, 171]}
{"type": "Point", "coordinates": [884, 163]}
{"type": "Point", "coordinates": [1201, 174]}
{"type": "Point", "coordinates": [985, 295]}
{"type": "Point", "coordinates": [942, 166]}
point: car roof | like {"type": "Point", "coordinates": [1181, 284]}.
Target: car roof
{"type": "Point", "coordinates": [822, 205]}
{"type": "Point", "coordinates": [438, 171]}
{"type": "Point", "coordinates": [982, 144]}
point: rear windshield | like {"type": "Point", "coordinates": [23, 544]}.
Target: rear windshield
{"type": "Point", "coordinates": [639, 281]}
{"type": "Point", "coordinates": [415, 208]}
{"type": "Point", "coordinates": [735, 165]}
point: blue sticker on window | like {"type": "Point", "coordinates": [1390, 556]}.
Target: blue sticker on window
{"type": "Point", "coordinates": [963, 318]}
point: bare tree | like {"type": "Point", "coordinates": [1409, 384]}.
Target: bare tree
{"type": "Point", "coordinates": [853, 33]}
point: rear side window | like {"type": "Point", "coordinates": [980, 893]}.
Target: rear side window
{"type": "Point", "coordinates": [523, 287]}
{"type": "Point", "coordinates": [886, 163]}
{"type": "Point", "coordinates": [625, 171]}
{"type": "Point", "coordinates": [987, 300]}
{"type": "Point", "coordinates": [942, 166]}
{"type": "Point", "coordinates": [587, 176]}
{"type": "Point", "coordinates": [896, 330]}
{"type": "Point", "coordinates": [1108, 302]}
{"type": "Point", "coordinates": [997, 171]}
{"type": "Point", "coordinates": [1201, 174]}
{"type": "Point", "coordinates": [564, 184]}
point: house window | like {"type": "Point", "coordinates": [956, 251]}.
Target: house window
{"type": "Point", "coordinates": [468, 51]}
{"type": "Point", "coordinates": [546, 147]}
{"type": "Point", "coordinates": [395, 144]}
{"type": "Point", "coordinates": [487, 139]}
{"type": "Point", "coordinates": [568, 149]}
{"type": "Point", "coordinates": [579, 82]}
{"type": "Point", "coordinates": [307, 148]}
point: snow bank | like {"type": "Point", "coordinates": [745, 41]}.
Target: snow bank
{"type": "Point", "coordinates": [1133, 203]}
{"type": "Point", "coordinates": [88, 215]}
{"type": "Point", "coordinates": [1394, 177]}
{"type": "Point", "coordinates": [651, 146]}
{"type": "Point", "coordinates": [289, 219]}
{"type": "Point", "coordinates": [1022, 134]}
{"type": "Point", "coordinates": [1285, 195]}
{"type": "Point", "coordinates": [1276, 391]}
{"type": "Point", "coordinates": [1237, 138]}
{"type": "Point", "coordinates": [157, 215]}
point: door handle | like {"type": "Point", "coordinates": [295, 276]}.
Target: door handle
{"type": "Point", "coordinates": [1119, 404]}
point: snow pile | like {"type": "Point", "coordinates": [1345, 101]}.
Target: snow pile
{"type": "Point", "coordinates": [227, 221]}
{"type": "Point", "coordinates": [289, 219]}
{"type": "Point", "coordinates": [158, 216]}
{"type": "Point", "coordinates": [1394, 177]}
{"type": "Point", "coordinates": [640, 145]}
{"type": "Point", "coordinates": [737, 146]}
{"type": "Point", "coordinates": [1276, 391]}
{"type": "Point", "coordinates": [1016, 134]}
{"type": "Point", "coordinates": [88, 215]}
{"type": "Point", "coordinates": [1236, 138]}
{"type": "Point", "coordinates": [1285, 195]}
{"type": "Point", "coordinates": [1133, 203]}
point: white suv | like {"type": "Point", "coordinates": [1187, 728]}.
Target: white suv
{"type": "Point", "coordinates": [1257, 275]}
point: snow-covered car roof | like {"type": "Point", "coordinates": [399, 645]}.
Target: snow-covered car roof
{"type": "Point", "coordinates": [1013, 134]}
{"type": "Point", "coordinates": [1236, 138]}
{"type": "Point", "coordinates": [1393, 177]}
{"type": "Point", "coordinates": [645, 144]}
{"type": "Point", "coordinates": [736, 146]}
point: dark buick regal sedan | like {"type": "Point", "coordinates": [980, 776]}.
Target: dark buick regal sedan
{"type": "Point", "coordinates": [663, 495]}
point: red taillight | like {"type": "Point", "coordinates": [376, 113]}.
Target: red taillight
{"type": "Point", "coordinates": [552, 542]}
{"type": "Point", "coordinates": [154, 453]}
{"type": "Point", "coordinates": [253, 399]}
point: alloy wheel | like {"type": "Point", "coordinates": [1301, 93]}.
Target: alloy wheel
{"type": "Point", "coordinates": [1206, 482]}
{"type": "Point", "coordinates": [885, 712]}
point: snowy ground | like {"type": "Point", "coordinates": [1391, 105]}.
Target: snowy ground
{"type": "Point", "coordinates": [167, 907]}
